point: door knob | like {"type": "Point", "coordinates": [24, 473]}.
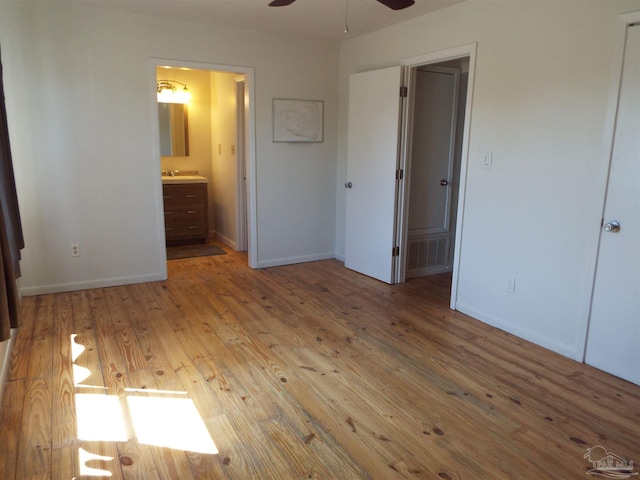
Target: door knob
{"type": "Point", "coordinates": [348, 185]}
{"type": "Point", "coordinates": [444, 183]}
{"type": "Point", "coordinates": [612, 226]}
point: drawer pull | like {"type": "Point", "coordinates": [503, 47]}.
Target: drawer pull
{"type": "Point", "coordinates": [192, 196]}
{"type": "Point", "coordinates": [194, 227]}
{"type": "Point", "coordinates": [192, 211]}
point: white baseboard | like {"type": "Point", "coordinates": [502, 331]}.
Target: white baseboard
{"type": "Point", "coordinates": [87, 284]}
{"type": "Point", "coordinates": [6, 348]}
{"type": "Point", "coordinates": [224, 239]}
{"type": "Point", "coordinates": [276, 262]}
{"type": "Point", "coordinates": [565, 350]}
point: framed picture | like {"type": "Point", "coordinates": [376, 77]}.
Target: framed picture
{"type": "Point", "coordinates": [298, 120]}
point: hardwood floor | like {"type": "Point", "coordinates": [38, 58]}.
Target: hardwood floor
{"type": "Point", "coordinates": [296, 372]}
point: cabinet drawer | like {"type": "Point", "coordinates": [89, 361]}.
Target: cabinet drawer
{"type": "Point", "coordinates": [184, 218]}
{"type": "Point", "coordinates": [181, 230]}
{"type": "Point", "coordinates": [183, 211]}
{"type": "Point", "coordinates": [184, 194]}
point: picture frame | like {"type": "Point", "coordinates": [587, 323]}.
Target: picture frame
{"type": "Point", "coordinates": [298, 121]}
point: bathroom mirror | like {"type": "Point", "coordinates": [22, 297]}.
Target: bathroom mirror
{"type": "Point", "coordinates": [174, 131]}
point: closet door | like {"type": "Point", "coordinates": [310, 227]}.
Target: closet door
{"type": "Point", "coordinates": [613, 342]}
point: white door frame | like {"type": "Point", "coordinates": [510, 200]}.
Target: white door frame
{"type": "Point", "coordinates": [624, 20]}
{"type": "Point", "coordinates": [468, 50]}
{"type": "Point", "coordinates": [242, 113]}
{"type": "Point", "coordinates": [250, 151]}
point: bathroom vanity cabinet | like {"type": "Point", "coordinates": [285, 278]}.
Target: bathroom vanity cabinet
{"type": "Point", "coordinates": [185, 213]}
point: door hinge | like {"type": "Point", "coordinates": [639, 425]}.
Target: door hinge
{"type": "Point", "coordinates": [399, 174]}
{"type": "Point", "coordinates": [404, 91]}
{"type": "Point", "coordinates": [395, 251]}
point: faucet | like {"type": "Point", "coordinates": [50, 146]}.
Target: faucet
{"type": "Point", "coordinates": [170, 173]}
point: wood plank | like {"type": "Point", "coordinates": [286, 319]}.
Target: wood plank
{"type": "Point", "coordinates": [11, 422]}
{"type": "Point", "coordinates": [22, 343]}
{"type": "Point", "coordinates": [63, 409]}
{"type": "Point", "coordinates": [34, 459]}
{"type": "Point", "coordinates": [64, 442]}
{"type": "Point", "coordinates": [40, 359]}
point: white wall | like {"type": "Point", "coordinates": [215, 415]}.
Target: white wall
{"type": "Point", "coordinates": [540, 101]}
{"type": "Point", "coordinates": [6, 348]}
{"type": "Point", "coordinates": [223, 121]}
{"type": "Point", "coordinates": [80, 93]}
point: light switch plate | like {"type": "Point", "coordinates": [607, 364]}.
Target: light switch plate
{"type": "Point", "coordinates": [488, 160]}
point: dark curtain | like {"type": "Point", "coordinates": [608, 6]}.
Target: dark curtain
{"type": "Point", "coordinates": [11, 238]}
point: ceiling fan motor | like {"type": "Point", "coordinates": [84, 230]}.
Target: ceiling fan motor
{"type": "Point", "coordinates": [392, 4]}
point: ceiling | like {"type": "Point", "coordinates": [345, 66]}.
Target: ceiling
{"type": "Point", "coordinates": [310, 18]}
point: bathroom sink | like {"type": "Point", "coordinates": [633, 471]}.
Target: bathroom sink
{"type": "Point", "coordinates": [184, 179]}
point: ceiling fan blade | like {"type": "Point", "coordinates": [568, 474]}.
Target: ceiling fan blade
{"type": "Point", "coordinates": [397, 4]}
{"type": "Point", "coordinates": [281, 3]}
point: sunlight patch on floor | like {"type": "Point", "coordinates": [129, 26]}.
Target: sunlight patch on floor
{"type": "Point", "coordinates": [99, 418]}
{"type": "Point", "coordinates": [161, 418]}
{"type": "Point", "coordinates": [170, 422]}
{"type": "Point", "coordinates": [80, 374]}
{"type": "Point", "coordinates": [76, 348]}
{"type": "Point", "coordinates": [85, 457]}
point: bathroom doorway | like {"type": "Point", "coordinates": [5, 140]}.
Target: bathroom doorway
{"type": "Point", "coordinates": [220, 134]}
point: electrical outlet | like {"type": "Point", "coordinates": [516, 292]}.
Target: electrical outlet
{"type": "Point", "coordinates": [75, 249]}
{"type": "Point", "coordinates": [511, 285]}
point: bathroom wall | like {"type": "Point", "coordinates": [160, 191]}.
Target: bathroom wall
{"type": "Point", "coordinates": [224, 159]}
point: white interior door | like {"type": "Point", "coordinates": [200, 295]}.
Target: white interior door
{"type": "Point", "coordinates": [372, 159]}
{"type": "Point", "coordinates": [613, 342]}
{"type": "Point", "coordinates": [432, 150]}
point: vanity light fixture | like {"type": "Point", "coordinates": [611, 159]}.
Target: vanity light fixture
{"type": "Point", "coordinates": [169, 91]}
